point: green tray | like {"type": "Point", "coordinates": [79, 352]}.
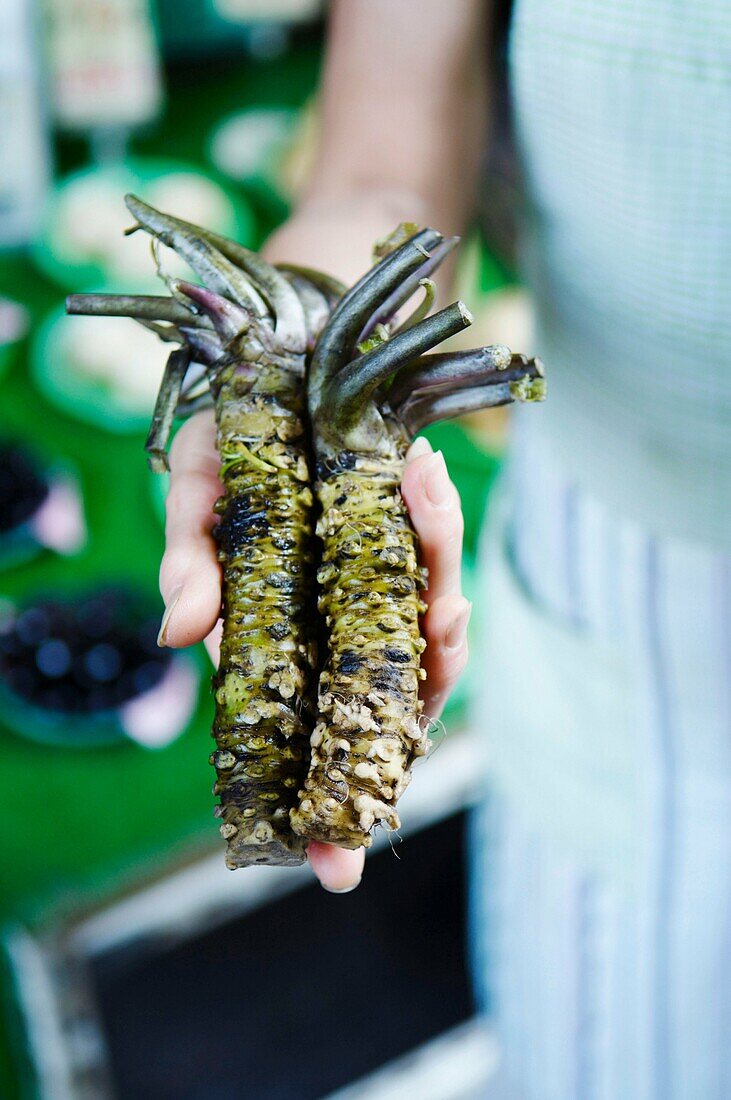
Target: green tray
{"type": "Point", "coordinates": [21, 545]}
{"type": "Point", "coordinates": [138, 175]}
{"type": "Point", "coordinates": [78, 731]}
{"type": "Point", "coordinates": [80, 395]}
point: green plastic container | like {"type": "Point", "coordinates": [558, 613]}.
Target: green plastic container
{"type": "Point", "coordinates": [92, 398]}
{"type": "Point", "coordinates": [76, 731]}
{"type": "Point", "coordinates": [67, 265]}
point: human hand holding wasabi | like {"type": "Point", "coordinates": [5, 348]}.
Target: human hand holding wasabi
{"type": "Point", "coordinates": [190, 581]}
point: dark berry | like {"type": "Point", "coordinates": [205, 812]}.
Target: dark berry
{"type": "Point", "coordinates": [83, 656]}
{"type": "Point", "coordinates": [22, 487]}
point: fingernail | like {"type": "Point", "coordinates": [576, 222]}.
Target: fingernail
{"type": "Point", "coordinates": [456, 632]}
{"type": "Point", "coordinates": [162, 636]}
{"type": "Point", "coordinates": [341, 889]}
{"type": "Point", "coordinates": [420, 446]}
{"type": "Point", "coordinates": [435, 479]}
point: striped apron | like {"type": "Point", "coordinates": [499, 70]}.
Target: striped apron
{"type": "Point", "coordinates": [601, 894]}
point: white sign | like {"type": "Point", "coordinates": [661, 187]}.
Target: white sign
{"type": "Point", "coordinates": [104, 61]}
{"type": "Point", "coordinates": [24, 148]}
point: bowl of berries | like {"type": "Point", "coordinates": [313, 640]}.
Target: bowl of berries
{"type": "Point", "coordinates": [85, 670]}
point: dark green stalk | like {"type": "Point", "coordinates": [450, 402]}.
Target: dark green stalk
{"type": "Point", "coordinates": [448, 406]}
{"type": "Point", "coordinates": [165, 406]}
{"type": "Point", "coordinates": [349, 391]}
{"type": "Point", "coordinates": [189, 406]}
{"type": "Point", "coordinates": [139, 306]}
{"type": "Point", "coordinates": [218, 273]}
{"type": "Point", "coordinates": [205, 347]}
{"type": "Point", "coordinates": [451, 371]}
{"type": "Point", "coordinates": [408, 286]}
{"type": "Point", "coordinates": [268, 283]}
{"type": "Point", "coordinates": [336, 344]}
{"type": "Point", "coordinates": [331, 289]}
{"type": "Point", "coordinates": [316, 305]}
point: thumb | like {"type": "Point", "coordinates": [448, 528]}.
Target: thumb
{"type": "Point", "coordinates": [338, 869]}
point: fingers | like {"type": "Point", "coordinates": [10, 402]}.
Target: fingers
{"type": "Point", "coordinates": [435, 511]}
{"type": "Point", "coordinates": [212, 642]}
{"type": "Point", "coordinates": [190, 577]}
{"type": "Point", "coordinates": [338, 869]}
{"type": "Point", "coordinates": [190, 581]}
{"type": "Point", "coordinates": [434, 507]}
{"type": "Point", "coordinates": [445, 629]}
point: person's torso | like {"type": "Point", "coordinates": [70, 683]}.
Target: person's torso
{"type": "Point", "coordinates": [622, 116]}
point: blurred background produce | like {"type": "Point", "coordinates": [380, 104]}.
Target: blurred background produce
{"type": "Point", "coordinates": [112, 885]}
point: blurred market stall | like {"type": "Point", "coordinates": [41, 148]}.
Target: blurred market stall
{"type": "Point", "coordinates": [110, 853]}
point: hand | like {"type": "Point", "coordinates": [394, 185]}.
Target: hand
{"type": "Point", "coordinates": [190, 581]}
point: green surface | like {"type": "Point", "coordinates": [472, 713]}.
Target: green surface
{"type": "Point", "coordinates": [94, 814]}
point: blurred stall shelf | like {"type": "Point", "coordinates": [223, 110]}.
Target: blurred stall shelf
{"type": "Point", "coordinates": [269, 11]}
{"type": "Point", "coordinates": [106, 372]}
{"type": "Point", "coordinates": [264, 28]}
{"type": "Point", "coordinates": [86, 671]}
{"type": "Point", "coordinates": [14, 322]}
{"type": "Point", "coordinates": [267, 150]}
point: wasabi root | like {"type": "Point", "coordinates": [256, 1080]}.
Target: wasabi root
{"type": "Point", "coordinates": [249, 330]}
{"type": "Point", "coordinates": [370, 390]}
